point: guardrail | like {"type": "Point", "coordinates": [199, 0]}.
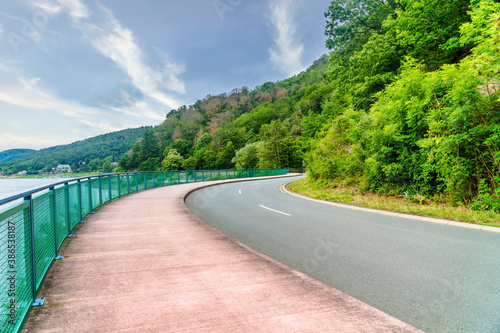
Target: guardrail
{"type": "Point", "coordinates": [34, 225]}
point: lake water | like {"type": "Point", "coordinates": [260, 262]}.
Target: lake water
{"type": "Point", "coordinates": [10, 187]}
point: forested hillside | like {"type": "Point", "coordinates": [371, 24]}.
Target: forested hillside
{"type": "Point", "coordinates": [12, 154]}
{"type": "Point", "coordinates": [82, 156]}
{"type": "Point", "coordinates": [245, 128]}
{"type": "Point", "coordinates": [408, 103]}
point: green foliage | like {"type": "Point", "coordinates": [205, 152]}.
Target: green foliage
{"type": "Point", "coordinates": [246, 157]}
{"type": "Point", "coordinates": [189, 163]}
{"type": "Point", "coordinates": [151, 164]}
{"type": "Point", "coordinates": [12, 154]}
{"type": "Point", "coordinates": [173, 160]}
{"type": "Point", "coordinates": [107, 167]}
{"type": "Point", "coordinates": [350, 23]}
{"type": "Point", "coordinates": [278, 148]}
{"type": "Point", "coordinates": [486, 200]}
{"type": "Point", "coordinates": [421, 126]}
{"type": "Point", "coordinates": [429, 30]}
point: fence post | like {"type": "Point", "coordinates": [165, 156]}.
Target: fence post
{"type": "Point", "coordinates": [36, 302]}
{"type": "Point", "coordinates": [170, 176]}
{"type": "Point", "coordinates": [109, 189]}
{"type": "Point", "coordinates": [136, 182]}
{"type": "Point", "coordinates": [90, 195]}
{"type": "Point", "coordinates": [154, 179]}
{"type": "Point", "coordinates": [119, 186]}
{"type": "Point", "coordinates": [194, 176]}
{"type": "Point", "coordinates": [218, 174]}
{"type": "Point", "coordinates": [100, 191]}
{"type": "Point", "coordinates": [202, 175]}
{"type": "Point", "coordinates": [179, 176]}
{"type": "Point", "coordinates": [128, 184]}
{"type": "Point", "coordinates": [68, 209]}
{"type": "Point", "coordinates": [145, 181]}
{"type": "Point", "coordinates": [80, 198]}
{"type": "Point", "coordinates": [162, 180]}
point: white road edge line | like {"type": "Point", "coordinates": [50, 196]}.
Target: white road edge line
{"type": "Point", "coordinates": [273, 210]}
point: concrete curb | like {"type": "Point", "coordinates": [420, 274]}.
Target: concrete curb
{"type": "Point", "coordinates": [284, 189]}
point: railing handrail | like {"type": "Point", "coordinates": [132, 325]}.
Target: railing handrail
{"type": "Point", "coordinates": [103, 175]}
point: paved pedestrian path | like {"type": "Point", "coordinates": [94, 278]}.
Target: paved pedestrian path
{"type": "Point", "coordinates": [144, 263]}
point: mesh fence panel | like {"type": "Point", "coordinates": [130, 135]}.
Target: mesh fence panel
{"type": "Point", "coordinates": [113, 180]}
{"type": "Point", "coordinates": [149, 178]}
{"type": "Point", "coordinates": [74, 205]}
{"type": "Point", "coordinates": [61, 215]}
{"type": "Point", "coordinates": [16, 294]}
{"type": "Point", "coordinates": [158, 179]}
{"type": "Point", "coordinates": [124, 185]}
{"type": "Point", "coordinates": [132, 183]}
{"type": "Point", "coordinates": [141, 181]}
{"type": "Point", "coordinates": [86, 199]}
{"type": "Point", "coordinates": [43, 217]}
{"type": "Point", "coordinates": [105, 189]}
{"type": "Point", "coordinates": [95, 193]}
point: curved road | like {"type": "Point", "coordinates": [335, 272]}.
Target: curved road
{"type": "Point", "coordinates": [438, 278]}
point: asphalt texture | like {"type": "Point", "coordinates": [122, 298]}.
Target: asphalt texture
{"type": "Point", "coordinates": [438, 278]}
{"type": "Point", "coordinates": [144, 263]}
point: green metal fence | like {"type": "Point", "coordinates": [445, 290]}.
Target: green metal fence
{"type": "Point", "coordinates": [34, 225]}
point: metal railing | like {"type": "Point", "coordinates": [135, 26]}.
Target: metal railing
{"type": "Point", "coordinates": [34, 225]}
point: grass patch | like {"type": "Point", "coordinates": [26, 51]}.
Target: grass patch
{"type": "Point", "coordinates": [352, 195]}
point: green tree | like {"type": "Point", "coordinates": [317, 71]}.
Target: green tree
{"type": "Point", "coordinates": [350, 23]}
{"type": "Point", "coordinates": [107, 167]}
{"type": "Point", "coordinates": [278, 149]}
{"type": "Point", "coordinates": [151, 164]}
{"type": "Point", "coordinates": [173, 161]}
{"type": "Point", "coordinates": [225, 156]}
{"type": "Point", "coordinates": [149, 146]}
{"type": "Point", "coordinates": [428, 30]}
{"type": "Point", "coordinates": [247, 157]}
{"type": "Point", "coordinates": [189, 163]}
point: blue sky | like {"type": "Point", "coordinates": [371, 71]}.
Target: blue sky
{"type": "Point", "coordinates": [73, 69]}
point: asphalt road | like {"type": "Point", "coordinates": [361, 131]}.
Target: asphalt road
{"type": "Point", "coordinates": [438, 278]}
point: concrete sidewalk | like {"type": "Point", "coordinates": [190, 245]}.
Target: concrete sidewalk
{"type": "Point", "coordinates": [144, 263]}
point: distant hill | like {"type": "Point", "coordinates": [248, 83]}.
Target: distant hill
{"type": "Point", "coordinates": [12, 154]}
{"type": "Point", "coordinates": [85, 155]}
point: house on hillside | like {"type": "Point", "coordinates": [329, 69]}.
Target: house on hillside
{"type": "Point", "coordinates": [63, 168]}
{"type": "Point", "coordinates": [2, 174]}
{"type": "Point", "coordinates": [22, 173]}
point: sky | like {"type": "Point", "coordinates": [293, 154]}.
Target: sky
{"type": "Point", "coordinates": [74, 69]}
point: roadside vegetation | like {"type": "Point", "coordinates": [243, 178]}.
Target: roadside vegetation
{"type": "Point", "coordinates": [335, 191]}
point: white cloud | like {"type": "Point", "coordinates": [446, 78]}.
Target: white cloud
{"type": "Point", "coordinates": [286, 53]}
{"type": "Point", "coordinates": [107, 35]}
{"type": "Point", "coordinates": [28, 94]}
{"type": "Point", "coordinates": [118, 43]}
{"type": "Point", "coordinates": [133, 107]}
{"type": "Point", "coordinates": [76, 9]}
